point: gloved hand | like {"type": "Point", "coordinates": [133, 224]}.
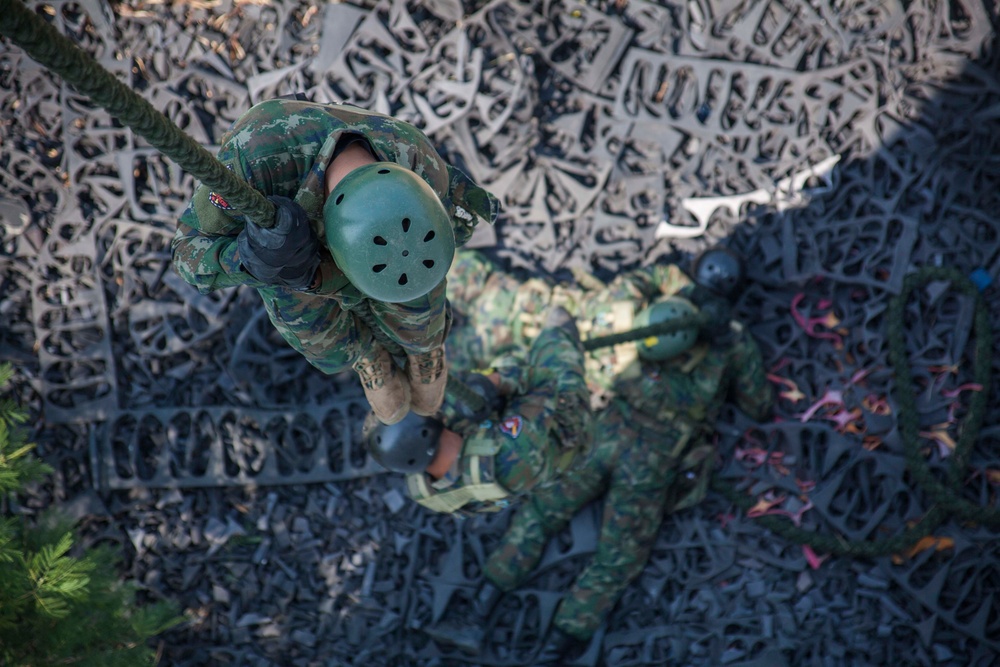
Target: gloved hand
{"type": "Point", "coordinates": [483, 386]}
{"type": "Point", "coordinates": [719, 313]}
{"type": "Point", "coordinates": [286, 254]}
{"type": "Point", "coordinates": [559, 317]}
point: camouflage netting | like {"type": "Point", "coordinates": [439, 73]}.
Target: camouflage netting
{"type": "Point", "coordinates": [840, 145]}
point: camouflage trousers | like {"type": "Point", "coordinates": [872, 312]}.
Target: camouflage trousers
{"type": "Point", "coordinates": [334, 332]}
{"type": "Point", "coordinates": [634, 470]}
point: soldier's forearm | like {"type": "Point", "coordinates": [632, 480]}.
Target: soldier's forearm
{"type": "Point", "coordinates": [209, 263]}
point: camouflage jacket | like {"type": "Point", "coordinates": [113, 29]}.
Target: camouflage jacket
{"type": "Point", "coordinates": [282, 147]}
{"type": "Point", "coordinates": [494, 310]}
{"type": "Point", "coordinates": [676, 403]}
{"type": "Point", "coordinates": [544, 421]}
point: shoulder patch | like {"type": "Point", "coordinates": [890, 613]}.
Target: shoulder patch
{"type": "Point", "coordinates": [511, 426]}
{"type": "Point", "coordinates": [219, 202]}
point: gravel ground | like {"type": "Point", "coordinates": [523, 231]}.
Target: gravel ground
{"type": "Point", "coordinates": [840, 145]}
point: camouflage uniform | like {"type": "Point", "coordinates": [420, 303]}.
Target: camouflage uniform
{"type": "Point", "coordinates": [651, 455]}
{"type": "Point", "coordinates": [495, 311]}
{"type": "Point", "coordinates": [283, 147]}
{"type": "Point", "coordinates": [544, 420]}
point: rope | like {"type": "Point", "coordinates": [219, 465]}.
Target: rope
{"type": "Point", "coordinates": [698, 320]}
{"type": "Point", "coordinates": [946, 497]}
{"type": "Point", "coordinates": [49, 47]}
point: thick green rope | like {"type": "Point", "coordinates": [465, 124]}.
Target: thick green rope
{"type": "Point", "coordinates": [943, 494]}
{"type": "Point", "coordinates": [78, 68]}
{"type": "Point", "coordinates": [695, 321]}
{"type": "Point", "coordinates": [50, 48]}
{"type": "Point", "coordinates": [948, 502]}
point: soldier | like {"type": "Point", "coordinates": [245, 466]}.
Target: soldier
{"type": "Point", "coordinates": [367, 218]}
{"type": "Point", "coordinates": [535, 418]}
{"type": "Point", "coordinates": [494, 311]}
{"type": "Point", "coordinates": [651, 454]}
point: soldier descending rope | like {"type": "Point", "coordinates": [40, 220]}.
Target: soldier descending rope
{"type": "Point", "coordinates": [367, 219]}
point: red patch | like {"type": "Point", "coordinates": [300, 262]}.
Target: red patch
{"type": "Point", "coordinates": [219, 202]}
{"type": "Point", "coordinates": [511, 426]}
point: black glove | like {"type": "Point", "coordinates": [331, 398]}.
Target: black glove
{"type": "Point", "coordinates": [286, 254]}
{"type": "Point", "coordinates": [559, 317]}
{"type": "Point", "coordinates": [483, 386]}
{"type": "Point", "coordinates": [718, 311]}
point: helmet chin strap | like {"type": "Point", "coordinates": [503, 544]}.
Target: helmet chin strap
{"type": "Point", "coordinates": [354, 155]}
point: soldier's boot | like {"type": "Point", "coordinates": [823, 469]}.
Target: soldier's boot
{"type": "Point", "coordinates": [557, 646]}
{"type": "Point", "coordinates": [385, 386]}
{"type": "Point", "coordinates": [428, 376]}
{"type": "Point", "coordinates": [468, 631]}
{"type": "Point", "coordinates": [485, 601]}
{"type": "Point", "coordinates": [559, 317]}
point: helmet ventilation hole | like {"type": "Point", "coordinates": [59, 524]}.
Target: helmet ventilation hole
{"type": "Point", "coordinates": [406, 225]}
{"type": "Point", "coordinates": [429, 263]}
{"type": "Point", "coordinates": [430, 235]}
{"type": "Point", "coordinates": [378, 268]}
{"type": "Point", "coordinates": [424, 433]}
{"type": "Point", "coordinates": [403, 279]}
{"type": "Point", "coordinates": [378, 240]}
{"type": "Point", "coordinates": [411, 462]}
{"type": "Point", "coordinates": [383, 171]}
{"type": "Point", "coordinates": [340, 198]}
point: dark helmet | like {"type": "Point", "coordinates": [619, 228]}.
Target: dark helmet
{"type": "Point", "coordinates": [666, 346]}
{"type": "Point", "coordinates": [389, 232]}
{"type": "Point", "coordinates": [720, 270]}
{"type": "Point", "coordinates": [406, 446]}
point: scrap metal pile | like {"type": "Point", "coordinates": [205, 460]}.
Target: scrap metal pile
{"type": "Point", "coordinates": [838, 144]}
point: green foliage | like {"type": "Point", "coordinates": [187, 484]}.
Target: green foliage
{"type": "Point", "coordinates": [60, 604]}
{"type": "Point", "coordinates": [16, 466]}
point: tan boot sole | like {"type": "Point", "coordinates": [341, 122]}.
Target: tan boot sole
{"type": "Point", "coordinates": [424, 412]}
{"type": "Point", "coordinates": [401, 411]}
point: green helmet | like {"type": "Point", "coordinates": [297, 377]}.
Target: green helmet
{"type": "Point", "coordinates": [666, 346]}
{"type": "Point", "coordinates": [406, 446]}
{"type": "Point", "coordinates": [388, 232]}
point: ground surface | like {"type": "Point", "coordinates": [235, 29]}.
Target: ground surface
{"type": "Point", "coordinates": [846, 144]}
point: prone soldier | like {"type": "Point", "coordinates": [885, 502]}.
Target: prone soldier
{"type": "Point", "coordinates": [651, 454]}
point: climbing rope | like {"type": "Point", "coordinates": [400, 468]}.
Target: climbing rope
{"type": "Point", "coordinates": [947, 499]}
{"type": "Point", "coordinates": [696, 321]}
{"type": "Point", "coordinates": [78, 68]}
